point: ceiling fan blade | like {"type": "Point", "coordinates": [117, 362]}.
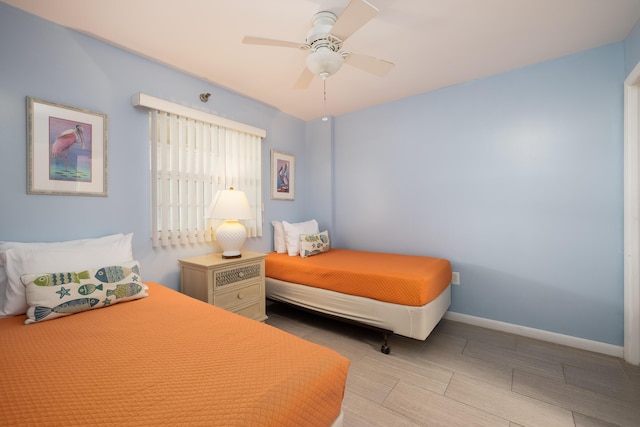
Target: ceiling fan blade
{"type": "Point", "coordinates": [373, 65]}
{"type": "Point", "coordinates": [271, 42]}
{"type": "Point", "coordinates": [356, 14]}
{"type": "Point", "coordinates": [304, 80]}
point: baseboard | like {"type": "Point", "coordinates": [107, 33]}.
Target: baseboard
{"type": "Point", "coordinates": [581, 343]}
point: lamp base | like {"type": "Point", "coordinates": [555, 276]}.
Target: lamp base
{"type": "Point", "coordinates": [231, 236]}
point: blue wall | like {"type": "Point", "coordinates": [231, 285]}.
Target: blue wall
{"type": "Point", "coordinates": [516, 178]}
{"type": "Point", "coordinates": [46, 61]}
{"type": "Point", "coordinates": [318, 172]}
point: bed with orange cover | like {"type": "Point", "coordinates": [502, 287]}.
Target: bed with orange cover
{"type": "Point", "coordinates": [165, 359]}
{"type": "Point", "coordinates": [403, 294]}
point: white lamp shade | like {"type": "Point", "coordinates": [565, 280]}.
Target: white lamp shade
{"type": "Point", "coordinates": [230, 204]}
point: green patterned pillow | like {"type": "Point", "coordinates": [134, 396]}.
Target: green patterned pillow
{"type": "Point", "coordinates": [314, 244]}
{"type": "Point", "coordinates": [52, 295]}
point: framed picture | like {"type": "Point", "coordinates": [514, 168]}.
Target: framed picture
{"type": "Point", "coordinates": [67, 150]}
{"type": "Point", "coordinates": [282, 175]}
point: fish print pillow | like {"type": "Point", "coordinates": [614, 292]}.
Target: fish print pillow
{"type": "Point", "coordinates": [314, 244]}
{"type": "Point", "coordinates": [52, 295]}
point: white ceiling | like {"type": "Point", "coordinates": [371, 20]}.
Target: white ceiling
{"type": "Point", "coordinates": [433, 43]}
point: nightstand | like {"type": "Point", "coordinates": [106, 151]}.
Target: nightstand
{"type": "Point", "coordinates": [233, 284]}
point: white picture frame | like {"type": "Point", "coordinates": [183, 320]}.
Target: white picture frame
{"type": "Point", "coordinates": [282, 175]}
{"type": "Point", "coordinates": [67, 150]}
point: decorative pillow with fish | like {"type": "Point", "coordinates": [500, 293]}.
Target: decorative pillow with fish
{"type": "Point", "coordinates": [314, 244]}
{"type": "Point", "coordinates": [52, 295]}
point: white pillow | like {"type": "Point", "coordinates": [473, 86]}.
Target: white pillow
{"type": "Point", "coordinates": [4, 246]}
{"type": "Point", "coordinates": [279, 245]}
{"type": "Point", "coordinates": [3, 281]}
{"type": "Point", "coordinates": [51, 257]}
{"type": "Point", "coordinates": [292, 234]}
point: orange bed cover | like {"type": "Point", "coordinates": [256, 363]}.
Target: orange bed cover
{"type": "Point", "coordinates": [399, 279]}
{"type": "Point", "coordinates": [164, 360]}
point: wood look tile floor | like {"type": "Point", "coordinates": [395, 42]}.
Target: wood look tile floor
{"type": "Point", "coordinates": [464, 375]}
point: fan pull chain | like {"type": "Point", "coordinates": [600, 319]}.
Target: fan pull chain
{"type": "Point", "coordinates": [324, 84]}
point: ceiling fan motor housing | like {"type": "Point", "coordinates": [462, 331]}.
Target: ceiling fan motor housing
{"type": "Point", "coordinates": [322, 23]}
{"type": "Point", "coordinates": [325, 59]}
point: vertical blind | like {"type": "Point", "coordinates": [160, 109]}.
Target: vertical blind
{"type": "Point", "coordinates": [190, 161]}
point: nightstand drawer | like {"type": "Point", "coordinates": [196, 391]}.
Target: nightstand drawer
{"type": "Point", "coordinates": [238, 296]}
{"type": "Point", "coordinates": [234, 275]}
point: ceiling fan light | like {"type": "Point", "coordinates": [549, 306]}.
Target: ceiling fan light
{"type": "Point", "coordinates": [324, 62]}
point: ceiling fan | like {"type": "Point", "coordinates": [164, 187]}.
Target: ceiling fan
{"type": "Point", "coordinates": [325, 39]}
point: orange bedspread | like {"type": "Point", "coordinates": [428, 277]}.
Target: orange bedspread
{"type": "Point", "coordinates": [399, 279]}
{"type": "Point", "coordinates": [164, 360]}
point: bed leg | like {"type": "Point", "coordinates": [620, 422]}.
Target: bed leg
{"type": "Point", "coordinates": [385, 345]}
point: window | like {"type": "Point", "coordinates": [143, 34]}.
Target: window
{"type": "Point", "coordinates": [191, 159]}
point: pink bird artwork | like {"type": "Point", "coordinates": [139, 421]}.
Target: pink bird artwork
{"type": "Point", "coordinates": [68, 170]}
{"type": "Point", "coordinates": [65, 141]}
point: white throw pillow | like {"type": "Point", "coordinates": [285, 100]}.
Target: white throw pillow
{"type": "Point", "coordinates": [279, 245]}
{"type": "Point", "coordinates": [51, 257]}
{"type": "Point", "coordinates": [292, 234]}
{"type": "Point", "coordinates": [52, 295]}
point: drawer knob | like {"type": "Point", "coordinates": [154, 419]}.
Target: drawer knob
{"type": "Point", "coordinates": [241, 274]}
{"type": "Point", "coordinates": [240, 295]}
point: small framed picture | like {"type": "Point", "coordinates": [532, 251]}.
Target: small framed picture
{"type": "Point", "coordinates": [282, 175]}
{"type": "Point", "coordinates": [67, 150]}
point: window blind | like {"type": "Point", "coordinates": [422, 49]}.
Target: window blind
{"type": "Point", "coordinates": [190, 161]}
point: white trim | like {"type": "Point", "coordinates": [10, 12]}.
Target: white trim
{"type": "Point", "coordinates": [595, 346]}
{"type": "Point", "coordinates": [631, 215]}
{"type": "Point", "coordinates": [143, 100]}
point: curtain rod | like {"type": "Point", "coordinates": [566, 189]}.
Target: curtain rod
{"type": "Point", "coordinates": [143, 100]}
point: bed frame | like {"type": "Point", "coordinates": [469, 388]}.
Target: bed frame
{"type": "Point", "coordinates": [387, 318]}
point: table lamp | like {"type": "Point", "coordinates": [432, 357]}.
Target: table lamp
{"type": "Point", "coordinates": [230, 206]}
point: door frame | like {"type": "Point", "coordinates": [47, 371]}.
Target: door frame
{"type": "Point", "coordinates": [632, 217]}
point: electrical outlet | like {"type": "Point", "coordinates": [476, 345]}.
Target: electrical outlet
{"type": "Point", "coordinates": [455, 278]}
